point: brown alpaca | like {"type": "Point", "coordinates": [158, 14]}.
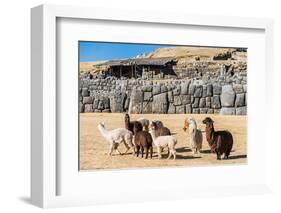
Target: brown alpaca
{"type": "Point", "coordinates": [220, 142]}
{"type": "Point", "coordinates": [160, 130]}
{"type": "Point", "coordinates": [130, 125]}
{"type": "Point", "coordinates": [143, 141]}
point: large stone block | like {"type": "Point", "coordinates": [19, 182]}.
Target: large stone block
{"type": "Point", "coordinates": [227, 96]}
{"type": "Point", "coordinates": [210, 111]}
{"type": "Point", "coordinates": [117, 102]}
{"type": "Point", "coordinates": [208, 102]}
{"type": "Point", "coordinates": [195, 111]}
{"type": "Point", "coordinates": [196, 103]}
{"type": "Point", "coordinates": [180, 109]}
{"type": "Point", "coordinates": [81, 107]}
{"type": "Point", "coordinates": [85, 92]}
{"type": "Point", "coordinates": [88, 108]}
{"type": "Point", "coordinates": [146, 107]}
{"type": "Point", "coordinates": [217, 89]}
{"type": "Point", "coordinates": [203, 110]}
{"type": "Point", "coordinates": [215, 101]}
{"type": "Point", "coordinates": [172, 109]}
{"type": "Point", "coordinates": [184, 88]}
{"type": "Point", "coordinates": [136, 100]}
{"type": "Point", "coordinates": [202, 103]}
{"type": "Point", "coordinates": [160, 103]}
{"type": "Point", "coordinates": [241, 110]}
{"type": "Point", "coordinates": [209, 90]}
{"type": "Point", "coordinates": [191, 89]}
{"type": "Point", "coordinates": [87, 100]}
{"type": "Point", "coordinates": [188, 108]}
{"type": "Point", "coordinates": [227, 111]}
{"type": "Point", "coordinates": [147, 96]}
{"type": "Point", "coordinates": [238, 88]}
{"type": "Point", "coordinates": [240, 100]}
{"type": "Point", "coordinates": [163, 89]}
{"type": "Point", "coordinates": [170, 96]}
{"type": "Point", "coordinates": [147, 88]}
{"type": "Point", "coordinates": [198, 91]}
{"type": "Point", "coordinates": [177, 90]}
{"type": "Point", "coordinates": [182, 100]}
{"type": "Point", "coordinates": [156, 89]}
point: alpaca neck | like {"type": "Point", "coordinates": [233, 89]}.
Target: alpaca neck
{"type": "Point", "coordinates": [210, 134]}
{"type": "Point", "coordinates": [103, 131]}
{"type": "Point", "coordinates": [192, 129]}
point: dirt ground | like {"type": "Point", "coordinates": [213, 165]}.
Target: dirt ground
{"type": "Point", "coordinates": [94, 148]}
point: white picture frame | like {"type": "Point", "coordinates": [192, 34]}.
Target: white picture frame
{"type": "Point", "coordinates": [44, 153]}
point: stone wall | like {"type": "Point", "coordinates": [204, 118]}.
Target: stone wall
{"type": "Point", "coordinates": [224, 96]}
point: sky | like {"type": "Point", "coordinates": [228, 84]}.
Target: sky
{"type": "Point", "coordinates": [100, 51]}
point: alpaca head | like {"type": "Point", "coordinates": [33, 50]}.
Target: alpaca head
{"type": "Point", "coordinates": [208, 122]}
{"type": "Point", "coordinates": [189, 122]}
{"type": "Point", "coordinates": [127, 118]}
{"type": "Point", "coordinates": [101, 125]}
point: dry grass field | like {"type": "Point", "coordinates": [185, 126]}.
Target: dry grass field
{"type": "Point", "coordinates": [94, 148]}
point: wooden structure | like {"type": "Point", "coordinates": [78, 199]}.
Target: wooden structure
{"type": "Point", "coordinates": [139, 67]}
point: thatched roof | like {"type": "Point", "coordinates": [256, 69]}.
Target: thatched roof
{"type": "Point", "coordinates": [140, 61]}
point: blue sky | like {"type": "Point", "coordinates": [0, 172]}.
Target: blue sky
{"type": "Point", "coordinates": [99, 51]}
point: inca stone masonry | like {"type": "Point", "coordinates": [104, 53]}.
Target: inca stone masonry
{"type": "Point", "coordinates": [226, 97]}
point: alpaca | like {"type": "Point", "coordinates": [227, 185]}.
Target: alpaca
{"type": "Point", "coordinates": [143, 141]}
{"type": "Point", "coordinates": [160, 129]}
{"type": "Point", "coordinates": [116, 137]}
{"type": "Point", "coordinates": [144, 122]}
{"type": "Point", "coordinates": [129, 125]}
{"type": "Point", "coordinates": [220, 142]}
{"type": "Point", "coordinates": [195, 135]}
{"type": "Point", "coordinates": [164, 141]}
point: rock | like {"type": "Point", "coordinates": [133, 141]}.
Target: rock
{"type": "Point", "coordinates": [85, 92]}
{"type": "Point", "coordinates": [177, 90]}
{"type": "Point", "coordinates": [163, 89]}
{"type": "Point", "coordinates": [188, 109]}
{"type": "Point", "coordinates": [203, 110]}
{"type": "Point", "coordinates": [88, 108]}
{"type": "Point", "coordinates": [87, 100]}
{"type": "Point", "coordinates": [227, 96]}
{"type": "Point", "coordinates": [136, 100]}
{"type": "Point", "coordinates": [147, 96]}
{"type": "Point", "coordinates": [210, 111]}
{"type": "Point", "coordinates": [106, 103]}
{"type": "Point", "coordinates": [147, 88]}
{"type": "Point", "coordinates": [198, 91]}
{"type": "Point", "coordinates": [240, 100]}
{"type": "Point", "coordinates": [238, 88]}
{"type": "Point", "coordinates": [191, 89]}
{"type": "Point", "coordinates": [209, 90]}
{"type": "Point", "coordinates": [182, 100]}
{"type": "Point", "coordinates": [184, 88]}
{"type": "Point", "coordinates": [196, 103]}
{"type": "Point", "coordinates": [202, 103]}
{"type": "Point", "coordinates": [117, 102]}
{"type": "Point", "coordinates": [245, 87]}
{"type": "Point", "coordinates": [227, 111]}
{"type": "Point", "coordinates": [81, 107]}
{"type": "Point", "coordinates": [241, 110]}
{"type": "Point", "coordinates": [208, 102]}
{"type": "Point", "coordinates": [156, 89]}
{"type": "Point", "coordinates": [101, 105]}
{"type": "Point", "coordinates": [160, 103]}
{"type": "Point", "coordinates": [170, 97]}
{"type": "Point", "coordinates": [204, 93]}
{"type": "Point", "coordinates": [196, 111]}
{"type": "Point", "coordinates": [146, 107]}
{"type": "Point", "coordinates": [180, 109]}
{"type": "Point", "coordinates": [172, 109]}
{"type": "Point", "coordinates": [95, 104]}
{"type": "Point", "coordinates": [215, 101]}
{"type": "Point", "coordinates": [217, 89]}
{"type": "Point", "coordinates": [127, 103]}
{"type": "Point", "coordinates": [217, 111]}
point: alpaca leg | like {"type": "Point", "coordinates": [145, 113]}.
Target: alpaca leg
{"type": "Point", "coordinates": [111, 147]}
{"type": "Point", "coordinates": [151, 151]}
{"type": "Point", "coordinates": [138, 150]}
{"type": "Point", "coordinates": [159, 152]}
{"type": "Point", "coordinates": [146, 152]}
{"type": "Point", "coordinates": [174, 154]}
{"type": "Point", "coordinates": [218, 156]}
{"type": "Point", "coordinates": [127, 147]}
{"type": "Point", "coordinates": [142, 150]}
{"type": "Point", "coordinates": [170, 154]}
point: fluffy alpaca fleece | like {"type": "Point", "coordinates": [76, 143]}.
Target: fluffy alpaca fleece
{"type": "Point", "coordinates": [164, 141]}
{"type": "Point", "coordinates": [144, 122]}
{"type": "Point", "coordinates": [115, 137]}
{"type": "Point", "coordinates": [195, 135]}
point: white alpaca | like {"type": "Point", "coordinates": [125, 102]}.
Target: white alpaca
{"type": "Point", "coordinates": [115, 137]}
{"type": "Point", "coordinates": [195, 136]}
{"type": "Point", "coordinates": [144, 122]}
{"type": "Point", "coordinates": [164, 141]}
